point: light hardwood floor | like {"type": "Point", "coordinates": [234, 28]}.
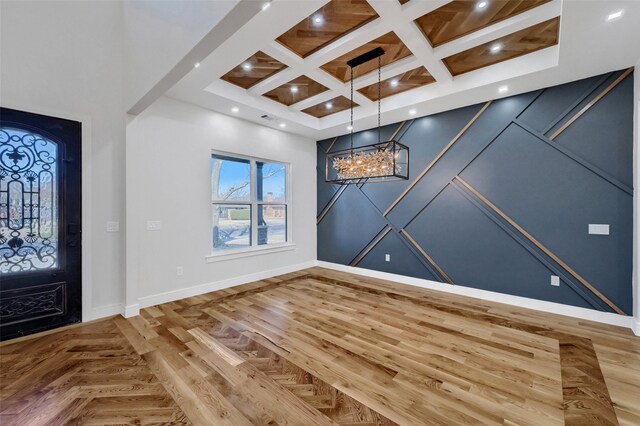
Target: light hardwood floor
{"type": "Point", "coordinates": [320, 347]}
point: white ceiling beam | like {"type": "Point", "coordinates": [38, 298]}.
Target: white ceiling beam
{"type": "Point", "coordinates": [500, 29]}
{"type": "Point", "coordinates": [238, 96]}
{"type": "Point", "coordinates": [412, 36]}
{"type": "Point", "coordinates": [396, 68]}
{"type": "Point", "coordinates": [415, 9]}
{"type": "Point", "coordinates": [243, 44]}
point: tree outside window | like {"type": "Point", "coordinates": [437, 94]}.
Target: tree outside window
{"type": "Point", "coordinates": [249, 202]}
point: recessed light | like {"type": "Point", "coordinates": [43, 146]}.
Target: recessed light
{"type": "Point", "coordinates": [294, 89]}
{"type": "Point", "coordinates": [482, 4]}
{"type": "Point", "coordinates": [614, 15]}
{"type": "Point", "coordinates": [412, 112]}
{"type": "Point", "coordinates": [196, 65]}
{"type": "Point", "coordinates": [328, 105]}
{"type": "Point", "coordinates": [246, 66]}
{"type": "Point", "coordinates": [349, 128]}
{"type": "Point", "coordinates": [266, 5]}
{"type": "Point", "coordinates": [394, 82]}
{"type": "Point", "coordinates": [235, 109]}
{"type": "Point", "coordinates": [283, 125]}
{"type": "Point", "coordinates": [503, 89]}
{"type": "Point", "coordinates": [496, 48]}
{"type": "Point", "coordinates": [318, 19]}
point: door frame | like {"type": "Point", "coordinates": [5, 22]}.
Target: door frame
{"type": "Point", "coordinates": [88, 312]}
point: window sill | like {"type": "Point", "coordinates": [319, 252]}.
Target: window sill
{"type": "Point", "coordinates": [254, 251]}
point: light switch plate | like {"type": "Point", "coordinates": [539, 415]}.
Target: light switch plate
{"type": "Point", "coordinates": [598, 229]}
{"type": "Point", "coordinates": [555, 280]}
{"type": "Point", "coordinates": [113, 226]}
{"type": "Point", "coordinates": [153, 225]}
{"type": "Point", "coordinates": [387, 258]}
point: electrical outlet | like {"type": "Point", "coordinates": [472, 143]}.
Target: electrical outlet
{"type": "Point", "coordinates": [555, 280]}
{"type": "Point", "coordinates": [387, 258]}
{"type": "Point", "coordinates": [113, 226]}
{"type": "Point", "coordinates": [154, 225]}
{"type": "Point", "coordinates": [180, 271]}
{"type": "Point", "coordinates": [598, 229]}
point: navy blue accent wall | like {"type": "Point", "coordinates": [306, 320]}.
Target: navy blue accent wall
{"type": "Point", "coordinates": [507, 180]}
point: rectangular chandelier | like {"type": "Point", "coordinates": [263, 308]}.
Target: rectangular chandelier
{"type": "Point", "coordinates": [379, 162]}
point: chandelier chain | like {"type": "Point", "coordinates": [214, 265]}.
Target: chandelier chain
{"type": "Point", "coordinates": [351, 120]}
{"type": "Point", "coordinates": [379, 64]}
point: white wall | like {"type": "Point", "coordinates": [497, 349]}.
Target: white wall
{"type": "Point", "coordinates": [64, 58]}
{"type": "Point", "coordinates": [158, 34]}
{"type": "Point", "coordinates": [169, 179]}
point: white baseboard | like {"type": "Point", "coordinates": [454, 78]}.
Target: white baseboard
{"type": "Point", "coordinates": [129, 311]}
{"type": "Point", "coordinates": [182, 293]}
{"type": "Point", "coordinates": [524, 302]}
{"type": "Point", "coordinates": [102, 312]}
{"type": "Point", "coordinates": [540, 305]}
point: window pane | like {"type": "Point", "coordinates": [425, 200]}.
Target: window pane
{"type": "Point", "coordinates": [230, 178]}
{"type": "Point", "coordinates": [28, 202]}
{"type": "Point", "coordinates": [231, 226]}
{"type": "Point", "coordinates": [272, 224]}
{"type": "Point", "coordinates": [272, 182]}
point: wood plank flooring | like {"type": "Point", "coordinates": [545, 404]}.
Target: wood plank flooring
{"type": "Point", "coordinates": [320, 347]}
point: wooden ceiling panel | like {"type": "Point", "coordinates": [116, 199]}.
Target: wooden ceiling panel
{"type": "Point", "coordinates": [511, 46]}
{"type": "Point", "coordinates": [253, 70]}
{"type": "Point", "coordinates": [398, 84]}
{"type": "Point", "coordinates": [329, 107]}
{"type": "Point", "coordinates": [462, 17]}
{"type": "Point", "coordinates": [296, 90]}
{"type": "Point", "coordinates": [327, 24]}
{"type": "Point", "coordinates": [394, 51]}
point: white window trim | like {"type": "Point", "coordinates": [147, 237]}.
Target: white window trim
{"type": "Point", "coordinates": [255, 249]}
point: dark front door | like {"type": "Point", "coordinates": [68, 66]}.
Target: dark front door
{"type": "Point", "coordinates": [40, 241]}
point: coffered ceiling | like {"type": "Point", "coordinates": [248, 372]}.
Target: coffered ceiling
{"type": "Point", "coordinates": [290, 61]}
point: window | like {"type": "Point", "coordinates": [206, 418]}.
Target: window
{"type": "Point", "coordinates": [250, 203]}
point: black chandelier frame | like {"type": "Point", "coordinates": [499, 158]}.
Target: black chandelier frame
{"type": "Point", "coordinates": [400, 152]}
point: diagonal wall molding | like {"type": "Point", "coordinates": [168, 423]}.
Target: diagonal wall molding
{"type": "Point", "coordinates": [540, 246]}
{"type": "Point", "coordinates": [473, 141]}
{"type": "Point", "coordinates": [590, 104]}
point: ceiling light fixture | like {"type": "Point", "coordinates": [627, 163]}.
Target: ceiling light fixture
{"type": "Point", "coordinates": [394, 82]}
{"type": "Point", "coordinates": [412, 112]}
{"type": "Point", "coordinates": [246, 66]}
{"type": "Point", "coordinates": [378, 162]}
{"type": "Point", "coordinates": [294, 89]}
{"type": "Point", "coordinates": [318, 19]}
{"type": "Point", "coordinates": [328, 105]}
{"type": "Point", "coordinates": [283, 125]}
{"type": "Point", "coordinates": [496, 48]}
{"type": "Point", "coordinates": [503, 89]}
{"type": "Point", "coordinates": [235, 109]}
{"type": "Point", "coordinates": [196, 65]}
{"type": "Point", "coordinates": [614, 15]}
{"type": "Point", "coordinates": [482, 4]}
